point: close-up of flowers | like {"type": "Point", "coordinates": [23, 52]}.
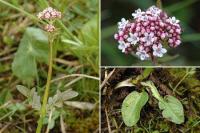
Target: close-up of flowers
{"type": "Point", "coordinates": [149, 33]}
{"type": "Point", "coordinates": [49, 14]}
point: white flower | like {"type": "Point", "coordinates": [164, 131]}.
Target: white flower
{"type": "Point", "coordinates": [122, 25]}
{"type": "Point", "coordinates": [153, 10]}
{"type": "Point", "coordinates": [133, 39]}
{"type": "Point", "coordinates": [122, 46]}
{"type": "Point", "coordinates": [144, 18]}
{"type": "Point", "coordinates": [138, 13]}
{"type": "Point", "coordinates": [148, 38]}
{"type": "Point", "coordinates": [158, 50]}
{"type": "Point", "coordinates": [142, 54]}
{"type": "Point", "coordinates": [173, 20]}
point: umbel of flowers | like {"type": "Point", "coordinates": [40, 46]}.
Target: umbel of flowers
{"type": "Point", "coordinates": [147, 33]}
{"type": "Point", "coordinates": [49, 14]}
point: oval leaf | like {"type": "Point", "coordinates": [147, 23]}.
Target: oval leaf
{"type": "Point", "coordinates": [172, 109]}
{"type": "Point", "coordinates": [132, 106]}
{"type": "Point", "coordinates": [23, 90]}
{"type": "Point", "coordinates": [80, 105]}
{"type": "Point", "coordinates": [33, 48]}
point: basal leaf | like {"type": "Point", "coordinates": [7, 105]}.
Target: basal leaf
{"type": "Point", "coordinates": [23, 90]}
{"type": "Point", "coordinates": [172, 109]}
{"type": "Point", "coordinates": [132, 106]}
{"type": "Point", "coordinates": [36, 104]}
{"type": "Point", "coordinates": [32, 48]}
{"type": "Point", "coordinates": [69, 94]}
{"type": "Point", "coordinates": [80, 105]}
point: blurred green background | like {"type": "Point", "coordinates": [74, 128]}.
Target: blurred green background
{"type": "Point", "coordinates": [187, 11]}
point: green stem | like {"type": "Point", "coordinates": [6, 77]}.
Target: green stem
{"type": "Point", "coordinates": [159, 4]}
{"type": "Point", "coordinates": [180, 82]}
{"type": "Point", "coordinates": [46, 93]}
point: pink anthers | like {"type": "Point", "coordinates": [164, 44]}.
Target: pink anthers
{"type": "Point", "coordinates": [49, 14]}
{"type": "Point", "coordinates": [147, 33]}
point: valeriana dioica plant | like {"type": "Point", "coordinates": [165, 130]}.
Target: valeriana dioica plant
{"type": "Point", "coordinates": [148, 33]}
{"type": "Point", "coordinates": [49, 14]}
{"type": "Point", "coordinates": [171, 107]}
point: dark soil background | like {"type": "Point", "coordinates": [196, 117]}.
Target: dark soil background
{"type": "Point", "coordinates": [151, 118]}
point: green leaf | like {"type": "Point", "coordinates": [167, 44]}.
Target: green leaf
{"type": "Point", "coordinates": [171, 106]}
{"type": "Point", "coordinates": [145, 74]}
{"type": "Point", "coordinates": [89, 35]}
{"type": "Point", "coordinates": [172, 109]}
{"type": "Point", "coordinates": [60, 97]}
{"type": "Point", "coordinates": [154, 90]}
{"type": "Point", "coordinates": [23, 90]}
{"type": "Point", "coordinates": [132, 106]}
{"type": "Point", "coordinates": [33, 48]}
{"type": "Point", "coordinates": [80, 105]}
{"type": "Point", "coordinates": [191, 37]}
{"type": "Point", "coordinates": [5, 96]}
{"type": "Point", "coordinates": [36, 104]}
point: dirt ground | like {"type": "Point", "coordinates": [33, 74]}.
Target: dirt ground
{"type": "Point", "coordinates": [151, 119]}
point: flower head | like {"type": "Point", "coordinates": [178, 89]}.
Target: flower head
{"type": "Point", "coordinates": [138, 13]}
{"type": "Point", "coordinates": [158, 50]}
{"type": "Point", "coordinates": [146, 33]}
{"type": "Point", "coordinates": [49, 13]}
{"type": "Point", "coordinates": [49, 28]}
{"type": "Point", "coordinates": [133, 39]}
{"type": "Point", "coordinates": [142, 53]}
{"type": "Point", "coordinates": [148, 38]}
{"type": "Point", "coordinates": [173, 21]}
{"type": "Point", "coordinates": [122, 25]}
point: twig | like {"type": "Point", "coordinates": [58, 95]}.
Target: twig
{"type": "Point", "coordinates": [62, 125]}
{"type": "Point", "coordinates": [107, 78]}
{"type": "Point", "coordinates": [108, 122]}
{"type": "Point", "coordinates": [177, 85]}
{"type": "Point", "coordinates": [73, 81]}
{"type": "Point", "coordinates": [7, 51]}
{"type": "Point", "coordinates": [74, 75]}
{"type": "Point", "coordinates": [5, 127]}
{"type": "Point", "coordinates": [68, 63]}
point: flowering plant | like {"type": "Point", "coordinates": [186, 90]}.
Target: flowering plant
{"type": "Point", "coordinates": [146, 35]}
{"type": "Point", "coordinates": [49, 14]}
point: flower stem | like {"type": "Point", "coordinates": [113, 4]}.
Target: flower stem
{"type": "Point", "coordinates": [46, 93]}
{"type": "Point", "coordinates": [159, 4]}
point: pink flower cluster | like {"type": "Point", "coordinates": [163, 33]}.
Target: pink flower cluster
{"type": "Point", "coordinates": [49, 28]}
{"type": "Point", "coordinates": [146, 35]}
{"type": "Point", "coordinates": [49, 14]}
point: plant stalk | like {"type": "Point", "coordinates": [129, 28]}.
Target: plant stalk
{"type": "Point", "coordinates": [46, 93]}
{"type": "Point", "coordinates": [159, 4]}
{"type": "Point", "coordinates": [177, 85]}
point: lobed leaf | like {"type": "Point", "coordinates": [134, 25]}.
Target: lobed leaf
{"type": "Point", "coordinates": [132, 106]}
{"type": "Point", "coordinates": [172, 109]}
{"type": "Point", "coordinates": [33, 48]}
